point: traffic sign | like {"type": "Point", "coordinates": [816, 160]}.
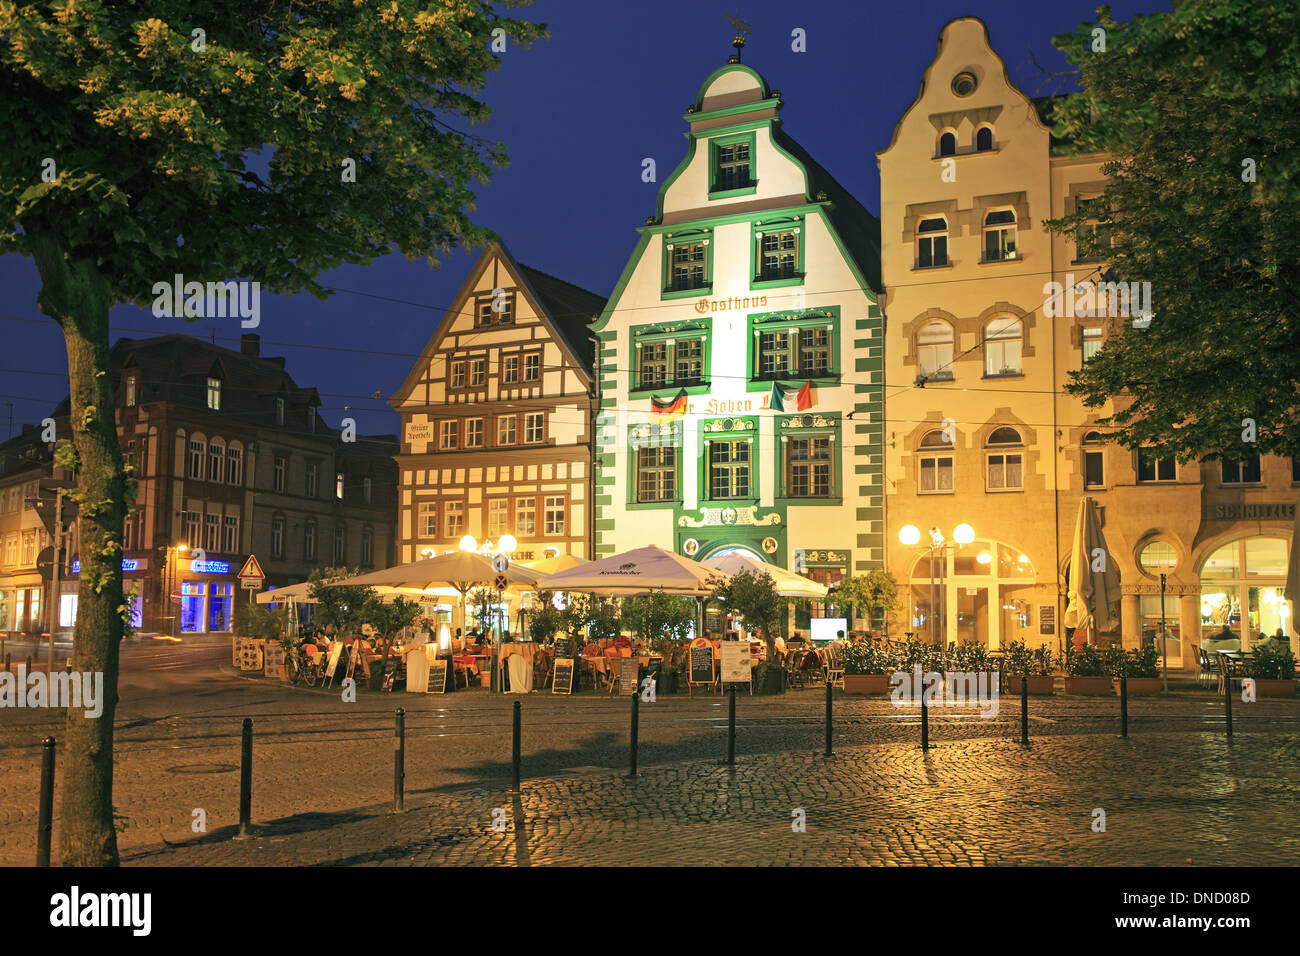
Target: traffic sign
{"type": "Point", "coordinates": [176, 597]}
{"type": "Point", "coordinates": [501, 582]}
{"type": "Point", "coordinates": [251, 584]}
{"type": "Point", "coordinates": [251, 569]}
{"type": "Point", "coordinates": [500, 564]}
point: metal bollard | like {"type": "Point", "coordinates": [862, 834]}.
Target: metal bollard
{"type": "Point", "coordinates": [1227, 700]}
{"type": "Point", "coordinates": [68, 665]}
{"type": "Point", "coordinates": [1024, 710]}
{"type": "Point", "coordinates": [636, 705]}
{"type": "Point", "coordinates": [1123, 705]}
{"type": "Point", "coordinates": [45, 815]}
{"type": "Point", "coordinates": [399, 762]}
{"type": "Point", "coordinates": [29, 663]}
{"type": "Point", "coordinates": [7, 667]}
{"type": "Point", "coordinates": [925, 718]}
{"type": "Point", "coordinates": [514, 757]}
{"type": "Point", "coordinates": [246, 779]}
{"type": "Point", "coordinates": [829, 688]}
{"type": "Point", "coordinates": [731, 726]}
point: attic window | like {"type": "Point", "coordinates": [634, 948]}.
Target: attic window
{"type": "Point", "coordinates": [214, 394]}
{"type": "Point", "coordinates": [964, 83]}
{"type": "Point", "coordinates": [311, 420]}
{"type": "Point", "coordinates": [130, 391]}
{"type": "Point", "coordinates": [279, 411]}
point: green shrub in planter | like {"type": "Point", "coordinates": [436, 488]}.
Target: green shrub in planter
{"type": "Point", "coordinates": [970, 656]}
{"type": "Point", "coordinates": [1144, 662]}
{"type": "Point", "coordinates": [1044, 663]}
{"type": "Point", "coordinates": [915, 652]}
{"type": "Point", "coordinates": [1269, 662]}
{"type": "Point", "coordinates": [1019, 660]}
{"type": "Point", "coordinates": [1084, 663]}
{"type": "Point", "coordinates": [866, 658]}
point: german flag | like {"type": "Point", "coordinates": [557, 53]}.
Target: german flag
{"type": "Point", "coordinates": [666, 410]}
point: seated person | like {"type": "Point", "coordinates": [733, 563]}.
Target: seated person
{"type": "Point", "coordinates": [1225, 640]}
{"type": "Point", "coordinates": [1278, 641]}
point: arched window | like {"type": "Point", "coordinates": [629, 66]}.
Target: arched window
{"type": "Point", "coordinates": [999, 235]}
{"type": "Point", "coordinates": [948, 144]}
{"type": "Point", "coordinates": [1094, 461]}
{"type": "Point", "coordinates": [1004, 469]}
{"type": "Point", "coordinates": [235, 464]}
{"type": "Point", "coordinates": [216, 460]}
{"type": "Point", "coordinates": [1003, 338]}
{"type": "Point", "coordinates": [935, 471]}
{"type": "Point", "coordinates": [934, 351]}
{"type": "Point", "coordinates": [984, 139]}
{"type": "Point", "coordinates": [932, 243]}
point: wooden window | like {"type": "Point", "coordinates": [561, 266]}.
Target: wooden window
{"type": "Point", "coordinates": [277, 537]}
{"type": "Point", "coordinates": [197, 449]}
{"type": "Point", "coordinates": [230, 535]}
{"type": "Point", "coordinates": [309, 541]}
{"type": "Point", "coordinates": [935, 471]}
{"type": "Point", "coordinates": [774, 353]}
{"type": "Point", "coordinates": [1152, 469]}
{"type": "Point", "coordinates": [278, 478]}
{"type": "Point", "coordinates": [212, 533]}
{"type": "Point", "coordinates": [654, 364]}
{"type": "Point", "coordinates": [932, 243]}
{"type": "Point", "coordinates": [1243, 472]}
{"type": "Point", "coordinates": [310, 480]}
{"type": "Point", "coordinates": [507, 426]}
{"type": "Point", "coordinates": [427, 519]}
{"type": "Point", "coordinates": [779, 254]}
{"type": "Point", "coordinates": [498, 517]}
{"type": "Point", "coordinates": [934, 351]}
{"type": "Point", "coordinates": [1092, 342]}
{"type": "Point", "coordinates": [525, 517]}
{"type": "Point", "coordinates": [477, 373]}
{"type": "Point", "coordinates": [234, 466]}
{"type": "Point", "coordinates": [447, 434]}
{"type": "Point", "coordinates": [729, 463]}
{"type": "Point", "coordinates": [367, 547]}
{"type": "Point", "coordinates": [458, 374]}
{"type": "Point", "coordinates": [214, 394]}
{"type": "Point", "coordinates": [733, 167]}
{"type": "Point", "coordinates": [535, 427]}
{"type": "Point", "coordinates": [689, 265]}
{"type": "Point", "coordinates": [454, 512]}
{"type": "Point", "coordinates": [808, 468]}
{"type": "Point", "coordinates": [554, 517]}
{"type": "Point", "coordinates": [1094, 462]}
{"type": "Point", "coordinates": [532, 367]}
{"type": "Point", "coordinates": [999, 235]}
{"type": "Point", "coordinates": [510, 369]}
{"type": "Point", "coordinates": [1003, 340]}
{"type": "Point", "coordinates": [688, 362]}
{"type": "Point", "coordinates": [473, 433]}
{"type": "Point", "coordinates": [216, 460]}
{"type": "Point", "coordinates": [656, 473]}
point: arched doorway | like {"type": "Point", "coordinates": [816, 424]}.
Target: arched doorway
{"type": "Point", "coordinates": [1241, 586]}
{"type": "Point", "coordinates": [736, 549]}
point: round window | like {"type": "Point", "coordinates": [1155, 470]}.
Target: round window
{"type": "Point", "coordinates": [1158, 557]}
{"type": "Point", "coordinates": [964, 83]}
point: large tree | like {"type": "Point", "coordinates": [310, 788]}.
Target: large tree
{"type": "Point", "coordinates": [261, 141]}
{"type": "Point", "coordinates": [1200, 110]}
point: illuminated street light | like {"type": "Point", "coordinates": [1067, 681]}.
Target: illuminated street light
{"type": "Point", "coordinates": [909, 534]}
{"type": "Point", "coordinates": [963, 534]}
{"type": "Point", "coordinates": [507, 544]}
{"type": "Point", "coordinates": [468, 543]}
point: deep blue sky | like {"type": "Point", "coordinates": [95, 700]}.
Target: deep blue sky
{"type": "Point", "coordinates": [578, 114]}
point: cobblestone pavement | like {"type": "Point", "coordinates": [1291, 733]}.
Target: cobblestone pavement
{"type": "Point", "coordinates": [323, 778]}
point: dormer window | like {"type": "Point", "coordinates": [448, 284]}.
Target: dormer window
{"type": "Point", "coordinates": [311, 420]}
{"type": "Point", "coordinates": [279, 412]}
{"type": "Point", "coordinates": [948, 144]}
{"type": "Point", "coordinates": [984, 139]}
{"type": "Point", "coordinates": [731, 165]}
{"type": "Point", "coordinates": [214, 394]}
{"type": "Point", "coordinates": [130, 391]}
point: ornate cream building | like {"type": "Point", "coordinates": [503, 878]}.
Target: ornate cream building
{"type": "Point", "coordinates": [978, 428]}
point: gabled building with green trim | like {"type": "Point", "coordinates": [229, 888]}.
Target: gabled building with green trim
{"type": "Point", "coordinates": [740, 355]}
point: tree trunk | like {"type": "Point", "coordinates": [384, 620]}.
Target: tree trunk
{"type": "Point", "coordinates": [77, 296]}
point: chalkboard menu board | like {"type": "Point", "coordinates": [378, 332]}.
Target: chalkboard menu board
{"type": "Point", "coordinates": [437, 677]}
{"type": "Point", "coordinates": [563, 648]}
{"type": "Point", "coordinates": [700, 668]}
{"type": "Point", "coordinates": [1047, 619]}
{"type": "Point", "coordinates": [563, 683]}
{"type": "Point", "coordinates": [629, 675]}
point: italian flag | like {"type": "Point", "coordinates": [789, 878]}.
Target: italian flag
{"type": "Point", "coordinates": [668, 409]}
{"type": "Point", "coordinates": [791, 399]}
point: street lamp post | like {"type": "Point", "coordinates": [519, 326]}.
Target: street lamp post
{"type": "Point", "coordinates": [910, 535]}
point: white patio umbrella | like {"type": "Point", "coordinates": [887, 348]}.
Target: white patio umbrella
{"type": "Point", "coordinates": [788, 584]}
{"type": "Point", "coordinates": [561, 562]}
{"type": "Point", "coordinates": [636, 572]}
{"type": "Point", "coordinates": [293, 593]}
{"type": "Point", "coordinates": [1094, 595]}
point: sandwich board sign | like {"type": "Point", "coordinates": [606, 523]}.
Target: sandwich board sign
{"type": "Point", "coordinates": [251, 575]}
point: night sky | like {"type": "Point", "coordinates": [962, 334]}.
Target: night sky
{"type": "Point", "coordinates": [578, 113]}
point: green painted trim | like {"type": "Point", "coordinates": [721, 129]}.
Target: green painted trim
{"type": "Point", "coordinates": [770, 102]}
{"type": "Point", "coordinates": [780, 321]}
{"type": "Point", "coordinates": [778, 224]}
{"type": "Point", "coordinates": [604, 524]}
{"type": "Point", "coordinates": [755, 459]}
{"type": "Point", "coordinates": [690, 235]}
{"type": "Point", "coordinates": [610, 306]}
{"type": "Point", "coordinates": [749, 138]}
{"type": "Point", "coordinates": [834, 432]}
{"type": "Point", "coordinates": [632, 484]}
{"type": "Point", "coordinates": [870, 293]}
{"type": "Point", "coordinates": [729, 219]}
{"type": "Point", "coordinates": [729, 68]}
{"type": "Point", "coordinates": [663, 332]}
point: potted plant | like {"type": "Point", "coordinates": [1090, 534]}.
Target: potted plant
{"type": "Point", "coordinates": [1273, 669]}
{"type": "Point", "coordinates": [1085, 672]}
{"type": "Point", "coordinates": [1140, 667]}
{"type": "Point", "coordinates": [867, 668]}
{"type": "Point", "coordinates": [1034, 667]}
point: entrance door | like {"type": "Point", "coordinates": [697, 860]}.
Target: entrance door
{"type": "Point", "coordinates": [972, 623]}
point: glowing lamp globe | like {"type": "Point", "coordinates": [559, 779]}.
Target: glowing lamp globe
{"type": "Point", "coordinates": [468, 543]}
{"type": "Point", "coordinates": [507, 544]}
{"type": "Point", "coordinates": [963, 534]}
{"type": "Point", "coordinates": [909, 534]}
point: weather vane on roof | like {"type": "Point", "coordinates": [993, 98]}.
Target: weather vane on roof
{"type": "Point", "coordinates": [738, 41]}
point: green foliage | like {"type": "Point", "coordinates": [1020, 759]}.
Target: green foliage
{"type": "Point", "coordinates": [1269, 661]}
{"type": "Point", "coordinates": [874, 594]}
{"type": "Point", "coordinates": [1084, 663]}
{"type": "Point", "coordinates": [1020, 661]}
{"type": "Point", "coordinates": [264, 622]}
{"type": "Point", "coordinates": [1144, 662]}
{"type": "Point", "coordinates": [970, 656]}
{"type": "Point", "coordinates": [343, 607]}
{"type": "Point", "coordinates": [481, 604]}
{"type": "Point", "coordinates": [605, 619]}
{"type": "Point", "coordinates": [751, 596]}
{"type": "Point", "coordinates": [865, 657]}
{"type": "Point", "coordinates": [659, 619]}
{"type": "Point", "coordinates": [1188, 103]}
{"type": "Point", "coordinates": [544, 621]}
{"type": "Point", "coordinates": [389, 618]}
{"type": "Point", "coordinates": [914, 652]}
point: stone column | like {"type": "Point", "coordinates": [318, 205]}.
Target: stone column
{"type": "Point", "coordinates": [1189, 627]}
{"type": "Point", "coordinates": [1130, 627]}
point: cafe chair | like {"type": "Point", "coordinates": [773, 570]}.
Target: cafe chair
{"type": "Point", "coordinates": [1206, 667]}
{"type": "Point", "coordinates": [1226, 670]}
